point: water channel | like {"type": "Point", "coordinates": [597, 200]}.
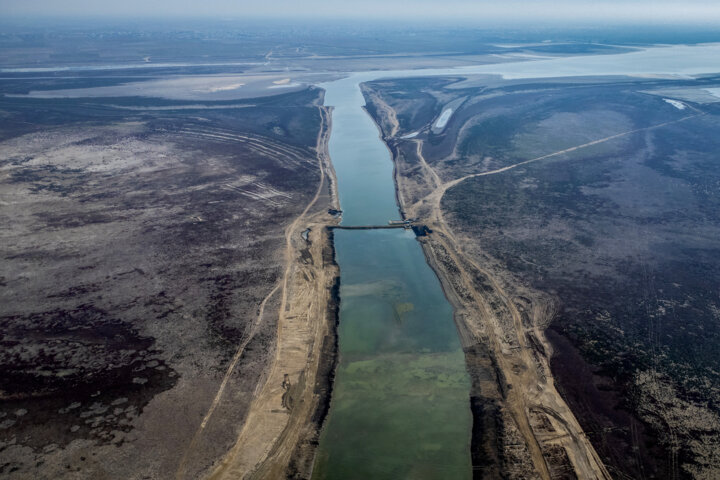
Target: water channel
{"type": "Point", "coordinates": [400, 405]}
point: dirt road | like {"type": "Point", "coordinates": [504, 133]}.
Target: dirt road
{"type": "Point", "coordinates": [522, 353]}
{"type": "Point", "coordinates": [518, 342]}
{"type": "Point", "coordinates": [281, 415]}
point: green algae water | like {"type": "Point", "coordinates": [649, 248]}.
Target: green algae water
{"type": "Point", "coordinates": [400, 406]}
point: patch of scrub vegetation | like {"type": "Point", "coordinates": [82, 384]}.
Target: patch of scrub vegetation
{"type": "Point", "coordinates": [488, 137]}
{"type": "Point", "coordinates": [135, 254]}
{"type": "Point", "coordinates": [415, 100]}
{"type": "Point", "coordinates": [628, 245]}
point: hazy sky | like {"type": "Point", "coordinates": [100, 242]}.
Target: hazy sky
{"type": "Point", "coordinates": [469, 10]}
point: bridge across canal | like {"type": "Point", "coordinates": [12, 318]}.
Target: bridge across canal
{"type": "Point", "coordinates": [368, 227]}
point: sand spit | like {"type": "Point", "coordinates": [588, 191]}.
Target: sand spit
{"type": "Point", "coordinates": [185, 87]}
{"type": "Point", "coordinates": [410, 135]}
{"type": "Point", "coordinates": [715, 92]}
{"type": "Point", "coordinates": [443, 119]}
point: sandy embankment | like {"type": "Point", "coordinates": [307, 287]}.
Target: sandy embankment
{"type": "Point", "coordinates": [280, 433]}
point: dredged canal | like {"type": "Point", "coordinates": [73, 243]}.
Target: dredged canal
{"type": "Point", "coordinates": [400, 405]}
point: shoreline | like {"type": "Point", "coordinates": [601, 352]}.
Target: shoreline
{"type": "Point", "coordinates": [399, 207]}
{"type": "Point", "coordinates": [399, 200]}
{"type": "Point", "coordinates": [484, 403]}
{"type": "Point", "coordinates": [481, 441]}
{"type": "Point", "coordinates": [302, 460]}
{"type": "Point", "coordinates": [281, 430]}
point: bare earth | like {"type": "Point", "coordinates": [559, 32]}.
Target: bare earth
{"type": "Point", "coordinates": [283, 423]}
{"type": "Point", "coordinates": [144, 263]}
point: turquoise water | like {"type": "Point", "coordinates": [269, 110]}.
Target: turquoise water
{"type": "Point", "coordinates": [360, 158]}
{"type": "Point", "coordinates": [400, 405]}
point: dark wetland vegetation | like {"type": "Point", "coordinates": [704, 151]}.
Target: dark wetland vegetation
{"type": "Point", "coordinates": [623, 234]}
{"type": "Point", "coordinates": [137, 245]}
